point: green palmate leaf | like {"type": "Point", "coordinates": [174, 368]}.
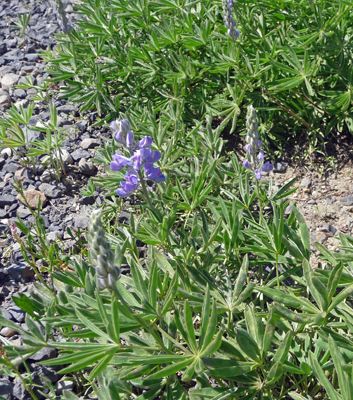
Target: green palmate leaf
{"type": "Point", "coordinates": [210, 325]}
{"type": "Point", "coordinates": [254, 324]}
{"type": "Point", "coordinates": [239, 283]}
{"type": "Point", "coordinates": [114, 325]}
{"type": "Point", "coordinates": [292, 316]}
{"type": "Point", "coordinates": [205, 317]}
{"type": "Point", "coordinates": [340, 297]}
{"type": "Point", "coordinates": [333, 280]}
{"type": "Point", "coordinates": [92, 326]}
{"type": "Point", "coordinates": [100, 366]}
{"type": "Point", "coordinates": [213, 346]}
{"type": "Point", "coordinates": [275, 373]}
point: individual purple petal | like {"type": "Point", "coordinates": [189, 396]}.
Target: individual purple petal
{"type": "Point", "coordinates": [114, 125]}
{"type": "Point", "coordinates": [267, 167]}
{"type": "Point", "coordinates": [136, 161]}
{"type": "Point", "coordinates": [145, 142]}
{"type": "Point", "coordinates": [258, 173]}
{"type": "Point", "coordinates": [130, 139]}
{"type": "Point", "coordinates": [248, 148]}
{"type": "Point", "coordinates": [247, 164]}
{"type": "Point", "coordinates": [259, 144]}
{"type": "Point", "coordinates": [150, 172]}
{"type": "Point", "coordinates": [261, 155]}
{"type": "Point", "coordinates": [156, 156]}
{"type": "Point", "coordinates": [119, 162]}
{"type": "Point", "coordinates": [124, 126]}
{"type": "Point", "coordinates": [121, 193]}
{"type": "Point", "coordinates": [132, 179]}
{"type": "Point", "coordinates": [161, 178]}
{"type": "Point", "coordinates": [118, 136]}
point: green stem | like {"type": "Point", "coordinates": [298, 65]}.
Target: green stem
{"type": "Point", "coordinates": [145, 191]}
{"type": "Point", "coordinates": [277, 272]}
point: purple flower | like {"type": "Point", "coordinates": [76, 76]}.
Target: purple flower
{"type": "Point", "coordinates": [248, 148]}
{"type": "Point", "coordinates": [119, 162]}
{"type": "Point", "coordinates": [153, 173]}
{"type": "Point", "coordinates": [259, 144]}
{"type": "Point", "coordinates": [247, 164]}
{"type": "Point", "coordinates": [261, 155]}
{"type": "Point", "coordinates": [267, 167]}
{"type": "Point", "coordinates": [258, 174]}
{"type": "Point", "coordinates": [114, 125]}
{"type": "Point", "coordinates": [130, 184]}
{"type": "Point", "coordinates": [145, 142]}
{"type": "Point", "coordinates": [118, 136]}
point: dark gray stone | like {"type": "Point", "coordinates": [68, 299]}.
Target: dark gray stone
{"type": "Point", "coordinates": [50, 190]}
{"type": "Point", "coordinates": [19, 272]}
{"type": "Point", "coordinates": [10, 167]}
{"type": "Point", "coordinates": [6, 389]}
{"type": "Point", "coordinates": [279, 167]}
{"type": "Point", "coordinates": [17, 314]}
{"type": "Point", "coordinates": [82, 125]}
{"type": "Point", "coordinates": [306, 183]}
{"type": "Point", "coordinates": [45, 353]}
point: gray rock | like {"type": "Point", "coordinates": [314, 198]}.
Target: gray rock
{"type": "Point", "coordinates": [81, 222]}
{"type": "Point", "coordinates": [7, 151]}
{"type": "Point", "coordinates": [82, 125]}
{"type": "Point", "coordinates": [5, 101]}
{"type": "Point", "coordinates": [90, 143]}
{"type": "Point", "coordinates": [50, 190]}
{"type": "Point", "coordinates": [7, 200]}
{"type": "Point", "coordinates": [347, 201]}
{"type": "Point", "coordinates": [306, 183]}
{"type": "Point", "coordinates": [64, 385]}
{"type": "Point", "coordinates": [10, 167]}
{"type": "Point", "coordinates": [328, 228]}
{"type": "Point", "coordinates": [279, 167]}
{"type": "Point", "coordinates": [79, 153]}
{"type": "Point", "coordinates": [7, 332]}
{"type": "Point", "coordinates": [20, 93]}
{"type": "Point", "coordinates": [54, 236]}
{"type": "Point", "coordinates": [5, 313]}
{"type": "Point", "coordinates": [65, 156]}
{"type": "Point", "coordinates": [19, 272]}
{"type": "Point", "coordinates": [9, 80]}
{"type": "Point", "coordinates": [19, 392]}
{"type": "Point", "coordinates": [87, 167]}
{"type": "Point", "coordinates": [4, 229]}
{"type": "Point", "coordinates": [45, 353]}
{"type": "Point", "coordinates": [23, 212]}
{"type": "Point", "coordinates": [6, 389]}
{"type": "Point", "coordinates": [17, 314]}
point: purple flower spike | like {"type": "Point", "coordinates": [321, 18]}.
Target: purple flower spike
{"type": "Point", "coordinates": [130, 139]}
{"type": "Point", "coordinates": [248, 148]}
{"type": "Point", "coordinates": [247, 164]}
{"type": "Point", "coordinates": [267, 167]}
{"type": "Point", "coordinates": [161, 178]}
{"type": "Point", "coordinates": [145, 142]}
{"type": "Point", "coordinates": [258, 174]}
{"type": "Point", "coordinates": [261, 155]}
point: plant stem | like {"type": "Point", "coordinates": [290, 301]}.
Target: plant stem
{"type": "Point", "coordinates": [145, 191]}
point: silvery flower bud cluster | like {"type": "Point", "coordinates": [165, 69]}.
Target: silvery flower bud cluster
{"type": "Point", "coordinates": [228, 19]}
{"type": "Point", "coordinates": [101, 254]}
{"type": "Point", "coordinates": [254, 156]}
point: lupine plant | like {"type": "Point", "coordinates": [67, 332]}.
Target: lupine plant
{"type": "Point", "coordinates": [196, 316]}
{"type": "Point", "coordinates": [291, 63]}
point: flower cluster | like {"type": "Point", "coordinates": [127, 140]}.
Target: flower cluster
{"type": "Point", "coordinates": [228, 19]}
{"type": "Point", "coordinates": [141, 159]}
{"type": "Point", "coordinates": [101, 254]}
{"type": "Point", "coordinates": [254, 156]}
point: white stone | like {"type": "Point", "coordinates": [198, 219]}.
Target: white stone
{"type": "Point", "coordinates": [65, 156]}
{"type": "Point", "coordinates": [8, 81]}
{"type": "Point", "coordinates": [5, 101]}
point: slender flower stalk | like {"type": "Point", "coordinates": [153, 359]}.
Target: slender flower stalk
{"type": "Point", "coordinates": [229, 22]}
{"type": "Point", "coordinates": [100, 253]}
{"type": "Point", "coordinates": [140, 163]}
{"type": "Point", "coordinates": [254, 155]}
{"type": "Point", "coordinates": [66, 27]}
